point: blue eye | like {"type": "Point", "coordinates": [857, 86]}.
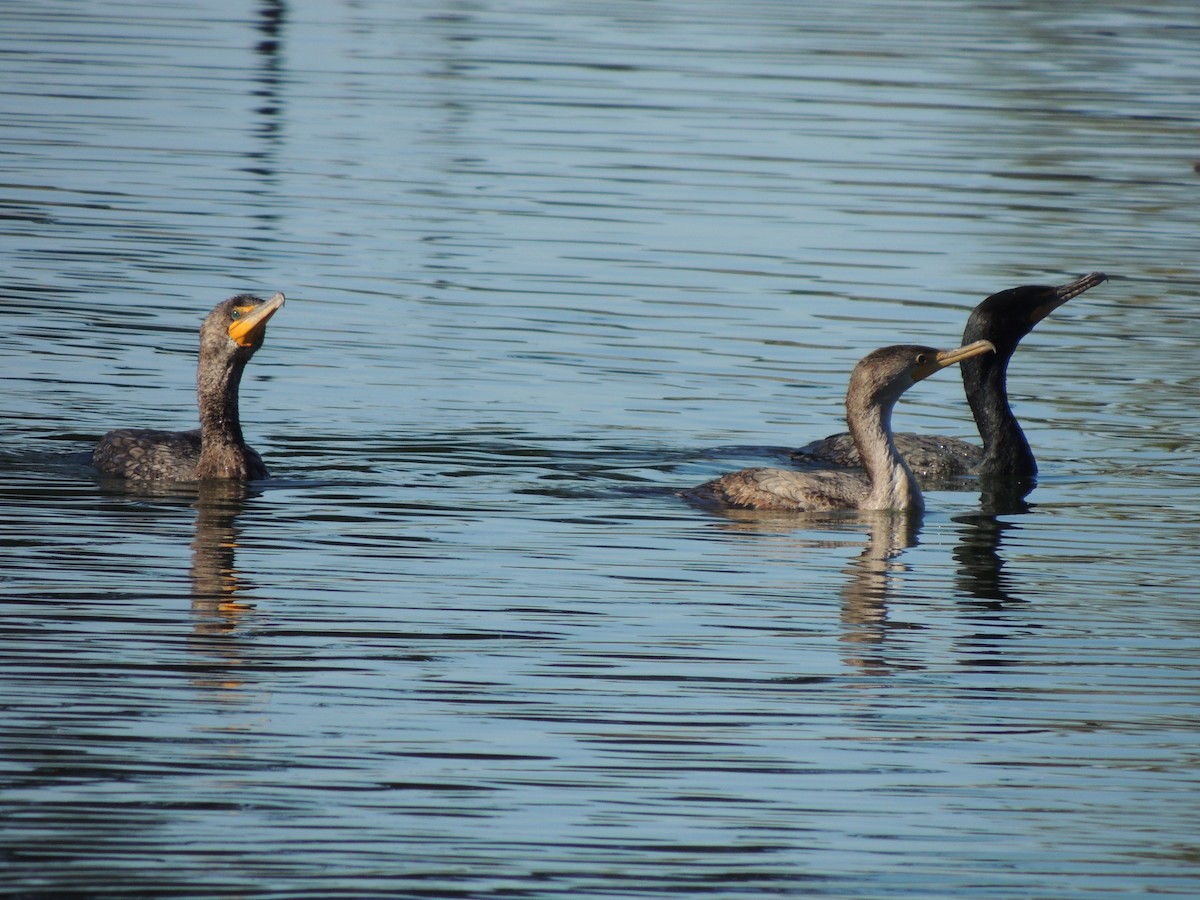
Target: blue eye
{"type": "Point", "coordinates": [236, 314]}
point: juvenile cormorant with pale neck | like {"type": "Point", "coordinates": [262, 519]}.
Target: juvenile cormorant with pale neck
{"type": "Point", "coordinates": [216, 450]}
{"type": "Point", "coordinates": [1004, 319]}
{"type": "Point", "coordinates": [875, 385]}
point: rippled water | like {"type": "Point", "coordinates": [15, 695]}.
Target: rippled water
{"type": "Point", "coordinates": [546, 264]}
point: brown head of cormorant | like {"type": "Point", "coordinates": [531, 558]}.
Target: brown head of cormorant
{"type": "Point", "coordinates": [1004, 319]}
{"type": "Point", "coordinates": [875, 385]}
{"type": "Point", "coordinates": [229, 336]}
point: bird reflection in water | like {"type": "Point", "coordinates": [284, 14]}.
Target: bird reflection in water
{"type": "Point", "coordinates": [217, 609]}
{"type": "Point", "coordinates": [871, 576]}
{"type": "Point", "coordinates": [981, 574]}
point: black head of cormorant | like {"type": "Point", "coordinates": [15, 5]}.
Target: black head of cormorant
{"type": "Point", "coordinates": [1004, 319]}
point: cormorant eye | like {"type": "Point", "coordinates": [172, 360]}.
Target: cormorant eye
{"type": "Point", "coordinates": [922, 359]}
{"type": "Point", "coordinates": [236, 314]}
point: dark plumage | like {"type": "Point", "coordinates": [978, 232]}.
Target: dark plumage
{"type": "Point", "coordinates": [229, 336]}
{"type": "Point", "coordinates": [875, 385]}
{"type": "Point", "coordinates": [1004, 319]}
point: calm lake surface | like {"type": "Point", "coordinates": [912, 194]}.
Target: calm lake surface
{"type": "Point", "coordinates": [547, 264]}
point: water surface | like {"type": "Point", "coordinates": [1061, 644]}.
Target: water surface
{"type": "Point", "coordinates": [547, 264]}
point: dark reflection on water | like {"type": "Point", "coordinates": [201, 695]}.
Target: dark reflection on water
{"type": "Point", "coordinates": [546, 265]}
{"type": "Point", "coordinates": [981, 565]}
{"type": "Point", "coordinates": [221, 595]}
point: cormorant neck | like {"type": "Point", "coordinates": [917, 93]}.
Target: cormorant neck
{"type": "Point", "coordinates": [217, 383]}
{"type": "Point", "coordinates": [1005, 449]}
{"type": "Point", "coordinates": [892, 483]}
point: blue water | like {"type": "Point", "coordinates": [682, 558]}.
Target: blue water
{"type": "Point", "coordinates": [547, 264]}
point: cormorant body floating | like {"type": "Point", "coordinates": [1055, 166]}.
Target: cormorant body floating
{"type": "Point", "coordinates": [875, 385]}
{"type": "Point", "coordinates": [1004, 319]}
{"type": "Point", "coordinates": [216, 450]}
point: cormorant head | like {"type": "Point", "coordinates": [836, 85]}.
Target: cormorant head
{"type": "Point", "coordinates": [239, 323]}
{"type": "Point", "coordinates": [885, 374]}
{"type": "Point", "coordinates": [1005, 318]}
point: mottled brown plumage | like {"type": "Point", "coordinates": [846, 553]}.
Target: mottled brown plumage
{"type": "Point", "coordinates": [875, 385]}
{"type": "Point", "coordinates": [229, 336]}
{"type": "Point", "coordinates": [932, 458]}
{"type": "Point", "coordinates": [1004, 319]}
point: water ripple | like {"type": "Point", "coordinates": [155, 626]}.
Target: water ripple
{"type": "Point", "coordinates": [546, 267]}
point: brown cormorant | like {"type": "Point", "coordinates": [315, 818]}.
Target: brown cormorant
{"type": "Point", "coordinates": [875, 385]}
{"type": "Point", "coordinates": [228, 338]}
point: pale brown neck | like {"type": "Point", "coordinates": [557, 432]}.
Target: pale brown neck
{"type": "Point", "coordinates": [892, 483]}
